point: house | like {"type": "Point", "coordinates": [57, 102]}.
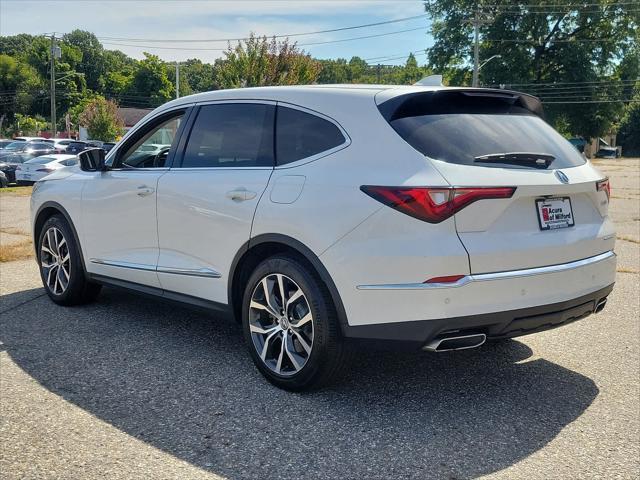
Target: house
{"type": "Point", "coordinates": [131, 116]}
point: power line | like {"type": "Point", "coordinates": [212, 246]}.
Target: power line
{"type": "Point", "coordinates": [218, 49]}
{"type": "Point", "coordinates": [332, 30]}
{"type": "Point", "coordinates": [596, 101]}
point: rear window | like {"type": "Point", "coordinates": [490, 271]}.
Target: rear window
{"type": "Point", "coordinates": [301, 135]}
{"type": "Point", "coordinates": [457, 128]}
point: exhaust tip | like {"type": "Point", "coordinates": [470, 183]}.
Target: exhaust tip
{"type": "Point", "coordinates": [600, 305]}
{"type": "Point", "coordinates": [455, 342]}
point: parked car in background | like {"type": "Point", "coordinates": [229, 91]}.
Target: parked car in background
{"type": "Point", "coordinates": [440, 217]}
{"type": "Point", "coordinates": [107, 146]}
{"type": "Point", "coordinates": [4, 181]}
{"type": "Point", "coordinates": [19, 152]}
{"type": "Point", "coordinates": [605, 150]}
{"type": "Point", "coordinates": [60, 144]}
{"type": "Point", "coordinates": [39, 167]}
{"type": "Point", "coordinates": [76, 146]}
{"type": "Point", "coordinates": [35, 149]}
{"type": "Point", "coordinates": [4, 143]}
{"type": "Point", "coordinates": [28, 139]}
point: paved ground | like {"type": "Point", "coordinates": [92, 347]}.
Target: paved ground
{"type": "Point", "coordinates": [130, 388]}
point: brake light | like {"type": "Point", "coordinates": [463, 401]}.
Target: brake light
{"type": "Point", "coordinates": [433, 204]}
{"type": "Point", "coordinates": [604, 186]}
{"type": "Point", "coordinates": [446, 279]}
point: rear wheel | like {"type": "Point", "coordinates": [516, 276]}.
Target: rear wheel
{"type": "Point", "coordinates": [61, 266]}
{"type": "Point", "coordinates": [290, 325]}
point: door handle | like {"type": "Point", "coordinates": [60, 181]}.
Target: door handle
{"type": "Point", "coordinates": [143, 190]}
{"type": "Point", "coordinates": [241, 194]}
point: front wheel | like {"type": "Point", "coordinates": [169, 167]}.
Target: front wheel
{"type": "Point", "coordinates": [290, 325]}
{"type": "Point", "coordinates": [61, 266]}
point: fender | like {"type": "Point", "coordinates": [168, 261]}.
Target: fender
{"type": "Point", "coordinates": [65, 214]}
{"type": "Point", "coordinates": [303, 250]}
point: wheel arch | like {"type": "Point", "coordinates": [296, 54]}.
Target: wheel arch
{"type": "Point", "coordinates": [264, 246]}
{"type": "Point", "coordinates": [46, 211]}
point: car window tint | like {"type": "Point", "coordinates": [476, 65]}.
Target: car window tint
{"type": "Point", "coordinates": [151, 149]}
{"type": "Point", "coordinates": [300, 135]}
{"type": "Point", "coordinates": [231, 135]}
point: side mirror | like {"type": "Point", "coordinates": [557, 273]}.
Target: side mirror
{"type": "Point", "coordinates": [92, 160]}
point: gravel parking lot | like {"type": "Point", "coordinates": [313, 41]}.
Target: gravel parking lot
{"type": "Point", "coordinates": [132, 388]}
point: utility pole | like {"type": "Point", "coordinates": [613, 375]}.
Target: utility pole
{"type": "Point", "coordinates": [378, 72]}
{"type": "Point", "coordinates": [53, 85]}
{"type": "Point", "coordinates": [476, 55]}
{"type": "Point", "coordinates": [476, 22]}
{"type": "Point", "coordinates": [177, 79]}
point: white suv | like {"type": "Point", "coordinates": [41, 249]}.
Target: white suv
{"type": "Point", "coordinates": [434, 216]}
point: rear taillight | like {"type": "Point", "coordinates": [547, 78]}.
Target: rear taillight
{"type": "Point", "coordinates": [445, 279]}
{"type": "Point", "coordinates": [433, 204]}
{"type": "Point", "coordinates": [48, 170]}
{"type": "Point", "coordinates": [604, 186]}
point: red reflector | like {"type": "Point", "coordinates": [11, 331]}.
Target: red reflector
{"type": "Point", "coordinates": [447, 279]}
{"type": "Point", "coordinates": [433, 204]}
{"type": "Point", "coordinates": [604, 186]}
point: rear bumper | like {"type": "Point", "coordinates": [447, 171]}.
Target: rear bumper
{"type": "Point", "coordinates": [495, 325]}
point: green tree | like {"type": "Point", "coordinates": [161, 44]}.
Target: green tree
{"type": "Point", "coordinates": [92, 62]}
{"type": "Point", "coordinates": [150, 85]}
{"type": "Point", "coordinates": [257, 62]}
{"type": "Point", "coordinates": [19, 86]}
{"type": "Point", "coordinates": [629, 131]}
{"type": "Point", "coordinates": [101, 119]}
{"type": "Point", "coordinates": [541, 44]}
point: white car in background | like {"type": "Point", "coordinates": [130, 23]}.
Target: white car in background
{"type": "Point", "coordinates": [39, 167]}
{"type": "Point", "coordinates": [60, 144]}
{"type": "Point", "coordinates": [438, 217]}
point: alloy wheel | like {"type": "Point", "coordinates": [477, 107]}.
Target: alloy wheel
{"type": "Point", "coordinates": [55, 261]}
{"type": "Point", "coordinates": [281, 324]}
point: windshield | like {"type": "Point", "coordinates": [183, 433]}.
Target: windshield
{"type": "Point", "coordinates": [16, 146]}
{"type": "Point", "coordinates": [41, 160]}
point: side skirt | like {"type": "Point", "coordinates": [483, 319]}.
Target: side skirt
{"type": "Point", "coordinates": [200, 304]}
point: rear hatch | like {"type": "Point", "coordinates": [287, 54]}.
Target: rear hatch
{"type": "Point", "coordinates": [486, 138]}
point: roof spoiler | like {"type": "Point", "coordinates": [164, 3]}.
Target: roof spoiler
{"type": "Point", "coordinates": [458, 100]}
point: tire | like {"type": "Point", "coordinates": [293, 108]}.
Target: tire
{"type": "Point", "coordinates": [60, 265]}
{"type": "Point", "coordinates": [302, 352]}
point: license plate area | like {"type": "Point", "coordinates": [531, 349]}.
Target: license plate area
{"type": "Point", "coordinates": [554, 213]}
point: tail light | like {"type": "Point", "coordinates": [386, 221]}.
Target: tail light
{"type": "Point", "coordinates": [48, 170]}
{"type": "Point", "coordinates": [435, 204]}
{"type": "Point", "coordinates": [604, 186]}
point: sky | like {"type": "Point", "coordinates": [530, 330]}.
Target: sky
{"type": "Point", "coordinates": [132, 25]}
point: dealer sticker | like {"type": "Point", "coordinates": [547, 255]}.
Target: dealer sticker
{"type": "Point", "coordinates": [554, 213]}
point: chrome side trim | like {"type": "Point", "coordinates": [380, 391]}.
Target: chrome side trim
{"type": "Point", "coordinates": [487, 277]}
{"type": "Point", "coordinates": [133, 266]}
{"type": "Point", "coordinates": [194, 272]}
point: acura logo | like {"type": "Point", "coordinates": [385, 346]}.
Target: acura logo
{"type": "Point", "coordinates": [561, 176]}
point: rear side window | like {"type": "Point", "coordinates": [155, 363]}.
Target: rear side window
{"type": "Point", "coordinates": [231, 135]}
{"type": "Point", "coordinates": [457, 128]}
{"type": "Point", "coordinates": [300, 135]}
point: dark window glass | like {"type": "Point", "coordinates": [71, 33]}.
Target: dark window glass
{"type": "Point", "coordinates": [301, 135]}
{"type": "Point", "coordinates": [231, 135]}
{"type": "Point", "coordinates": [456, 128]}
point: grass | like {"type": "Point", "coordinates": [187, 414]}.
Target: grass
{"type": "Point", "coordinates": [627, 270]}
{"type": "Point", "coordinates": [16, 191]}
{"type": "Point", "coordinates": [627, 238]}
{"type": "Point", "coordinates": [16, 251]}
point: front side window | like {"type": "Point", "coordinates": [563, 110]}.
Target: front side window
{"type": "Point", "coordinates": [301, 135]}
{"type": "Point", "coordinates": [151, 148]}
{"type": "Point", "coordinates": [231, 135]}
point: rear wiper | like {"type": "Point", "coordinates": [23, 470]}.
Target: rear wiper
{"type": "Point", "coordinates": [529, 159]}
